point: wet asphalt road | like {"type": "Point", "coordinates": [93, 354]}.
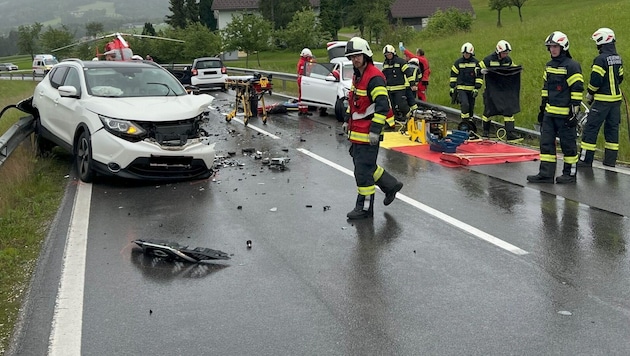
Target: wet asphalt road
{"type": "Point", "coordinates": [470, 261]}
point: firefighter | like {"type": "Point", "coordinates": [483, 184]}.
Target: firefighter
{"type": "Point", "coordinates": [306, 56]}
{"type": "Point", "coordinates": [465, 82]}
{"type": "Point", "coordinates": [416, 69]}
{"type": "Point", "coordinates": [561, 96]}
{"type": "Point", "coordinates": [369, 111]}
{"type": "Point", "coordinates": [499, 58]}
{"type": "Point", "coordinates": [605, 96]}
{"type": "Point", "coordinates": [424, 68]}
{"type": "Point", "coordinates": [399, 80]}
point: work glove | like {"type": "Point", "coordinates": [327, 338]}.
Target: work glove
{"type": "Point", "coordinates": [484, 70]}
{"type": "Point", "coordinates": [374, 138]}
{"type": "Point", "coordinates": [572, 119]}
{"type": "Point", "coordinates": [453, 96]}
{"type": "Point", "coordinates": [589, 99]}
{"type": "Point", "coordinates": [344, 127]}
{"type": "Point", "coordinates": [475, 93]}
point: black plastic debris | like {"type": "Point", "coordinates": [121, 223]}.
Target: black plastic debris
{"type": "Point", "coordinates": [249, 243]}
{"type": "Point", "coordinates": [326, 207]}
{"type": "Point", "coordinates": [279, 163]}
{"type": "Point", "coordinates": [249, 150]}
{"type": "Point", "coordinates": [174, 251]}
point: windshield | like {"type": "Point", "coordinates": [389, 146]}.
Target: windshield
{"type": "Point", "coordinates": [131, 82]}
{"type": "Point", "coordinates": [50, 62]}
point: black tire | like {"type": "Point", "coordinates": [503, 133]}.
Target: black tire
{"type": "Point", "coordinates": [43, 146]}
{"type": "Point", "coordinates": [83, 157]}
{"type": "Point", "coordinates": [340, 109]}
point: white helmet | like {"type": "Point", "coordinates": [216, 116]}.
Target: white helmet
{"type": "Point", "coordinates": [389, 49]}
{"type": "Point", "coordinates": [503, 46]}
{"type": "Point", "coordinates": [358, 45]}
{"type": "Point", "coordinates": [306, 53]}
{"type": "Point", "coordinates": [468, 48]}
{"type": "Point", "coordinates": [558, 38]}
{"type": "Point", "coordinates": [414, 61]}
{"type": "Point", "coordinates": [603, 36]}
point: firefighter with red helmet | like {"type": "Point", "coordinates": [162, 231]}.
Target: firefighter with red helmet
{"type": "Point", "coordinates": [369, 111]}
{"type": "Point", "coordinates": [306, 56]}
{"type": "Point", "coordinates": [605, 96]}
{"type": "Point", "coordinates": [399, 79]}
{"type": "Point", "coordinates": [465, 82]}
{"type": "Point", "coordinates": [561, 96]}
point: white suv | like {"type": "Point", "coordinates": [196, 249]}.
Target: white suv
{"type": "Point", "coordinates": [326, 85]}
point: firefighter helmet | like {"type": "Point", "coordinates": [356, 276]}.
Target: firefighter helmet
{"type": "Point", "coordinates": [503, 46]}
{"type": "Point", "coordinates": [603, 36]}
{"type": "Point", "coordinates": [358, 45]}
{"type": "Point", "coordinates": [558, 38]}
{"type": "Point", "coordinates": [389, 49]}
{"type": "Point", "coordinates": [306, 53]}
{"type": "Point", "coordinates": [468, 48]}
{"type": "Point", "coordinates": [414, 61]}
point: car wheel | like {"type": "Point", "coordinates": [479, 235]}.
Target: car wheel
{"type": "Point", "coordinates": [340, 108]}
{"type": "Point", "coordinates": [83, 157]}
{"type": "Point", "coordinates": [43, 146]}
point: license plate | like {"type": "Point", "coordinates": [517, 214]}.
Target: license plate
{"type": "Point", "coordinates": [210, 72]}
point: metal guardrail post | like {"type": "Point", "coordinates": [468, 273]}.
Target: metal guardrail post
{"type": "Point", "coordinates": [11, 139]}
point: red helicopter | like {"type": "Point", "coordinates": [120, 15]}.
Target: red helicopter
{"type": "Point", "coordinates": [117, 49]}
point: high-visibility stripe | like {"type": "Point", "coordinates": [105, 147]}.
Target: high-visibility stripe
{"type": "Point", "coordinates": [571, 159]}
{"type": "Point", "coordinates": [611, 146]}
{"type": "Point", "coordinates": [552, 70]}
{"type": "Point", "coordinates": [547, 158]}
{"type": "Point", "coordinates": [467, 65]}
{"type": "Point", "coordinates": [369, 190]}
{"type": "Point", "coordinates": [466, 87]}
{"type": "Point", "coordinates": [607, 98]}
{"type": "Point", "coordinates": [576, 95]}
{"type": "Point", "coordinates": [544, 93]}
{"type": "Point", "coordinates": [599, 70]}
{"type": "Point", "coordinates": [508, 118]}
{"type": "Point", "coordinates": [380, 90]}
{"type": "Point", "coordinates": [396, 87]}
{"type": "Point", "coordinates": [588, 146]}
{"type": "Point", "coordinates": [577, 77]}
{"type": "Point", "coordinates": [556, 110]}
{"type": "Point", "coordinates": [359, 137]}
{"type": "Point", "coordinates": [378, 173]}
{"type": "Point", "coordinates": [454, 69]}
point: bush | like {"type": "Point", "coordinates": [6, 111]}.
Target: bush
{"type": "Point", "coordinates": [449, 21]}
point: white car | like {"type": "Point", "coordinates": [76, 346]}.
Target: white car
{"type": "Point", "coordinates": [208, 72]}
{"type": "Point", "coordinates": [129, 119]}
{"type": "Point", "coordinates": [326, 85]}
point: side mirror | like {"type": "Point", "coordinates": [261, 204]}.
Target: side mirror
{"type": "Point", "coordinates": [68, 91]}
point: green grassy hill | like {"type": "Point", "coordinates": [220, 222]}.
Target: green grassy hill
{"type": "Point", "coordinates": [577, 18]}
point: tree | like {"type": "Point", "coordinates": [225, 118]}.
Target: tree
{"type": "Point", "coordinates": [519, 4]}
{"type": "Point", "coordinates": [54, 38]}
{"type": "Point", "coordinates": [28, 38]}
{"type": "Point", "coordinates": [499, 5]}
{"type": "Point", "coordinates": [331, 16]}
{"type": "Point", "coordinates": [178, 17]}
{"type": "Point", "coordinates": [206, 15]}
{"type": "Point", "coordinates": [280, 12]}
{"type": "Point", "coordinates": [93, 28]}
{"type": "Point", "coordinates": [191, 9]}
{"type": "Point", "coordinates": [148, 29]}
{"type": "Point", "coordinates": [362, 13]}
{"type": "Point", "coordinates": [249, 33]}
{"type": "Point", "coordinates": [303, 31]}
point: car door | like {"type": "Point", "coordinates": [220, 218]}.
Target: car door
{"type": "Point", "coordinates": [317, 90]}
{"type": "Point", "coordinates": [51, 115]}
{"type": "Point", "coordinates": [69, 110]}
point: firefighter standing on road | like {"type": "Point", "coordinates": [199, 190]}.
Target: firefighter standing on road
{"type": "Point", "coordinates": [561, 97]}
{"type": "Point", "coordinates": [398, 76]}
{"type": "Point", "coordinates": [605, 95]}
{"type": "Point", "coordinates": [499, 58]}
{"type": "Point", "coordinates": [465, 82]}
{"type": "Point", "coordinates": [306, 56]}
{"type": "Point", "coordinates": [369, 111]}
{"type": "Point", "coordinates": [424, 69]}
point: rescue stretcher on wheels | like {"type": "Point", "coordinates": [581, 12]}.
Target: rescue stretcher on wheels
{"type": "Point", "coordinates": [250, 89]}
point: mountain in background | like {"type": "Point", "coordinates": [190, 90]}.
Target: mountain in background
{"type": "Point", "coordinates": [76, 13]}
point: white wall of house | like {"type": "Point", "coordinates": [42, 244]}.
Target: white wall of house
{"type": "Point", "coordinates": [224, 17]}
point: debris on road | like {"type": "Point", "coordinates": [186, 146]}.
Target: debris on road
{"type": "Point", "coordinates": [174, 251]}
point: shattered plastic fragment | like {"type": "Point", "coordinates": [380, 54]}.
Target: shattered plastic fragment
{"type": "Point", "coordinates": [273, 209]}
{"type": "Point", "coordinates": [565, 312]}
{"type": "Point", "coordinates": [249, 243]}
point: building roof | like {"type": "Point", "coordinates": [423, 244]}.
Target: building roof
{"type": "Point", "coordinates": [227, 5]}
{"type": "Point", "coordinates": [425, 8]}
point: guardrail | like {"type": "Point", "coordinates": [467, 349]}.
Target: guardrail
{"type": "Point", "coordinates": [21, 76]}
{"type": "Point", "coordinates": [11, 139]}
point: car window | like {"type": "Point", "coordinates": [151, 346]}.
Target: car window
{"type": "Point", "coordinates": [56, 76]}
{"type": "Point", "coordinates": [208, 64]}
{"type": "Point", "coordinates": [73, 79]}
{"type": "Point", "coordinates": [317, 70]}
{"type": "Point", "coordinates": [348, 71]}
{"type": "Point", "coordinates": [131, 82]}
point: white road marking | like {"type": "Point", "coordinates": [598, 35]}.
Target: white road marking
{"type": "Point", "coordinates": [65, 336]}
{"type": "Point", "coordinates": [429, 210]}
{"type": "Point", "coordinates": [257, 129]}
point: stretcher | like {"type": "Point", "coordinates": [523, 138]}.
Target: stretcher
{"type": "Point", "coordinates": [250, 89]}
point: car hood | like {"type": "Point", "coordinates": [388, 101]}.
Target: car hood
{"type": "Point", "coordinates": [155, 109]}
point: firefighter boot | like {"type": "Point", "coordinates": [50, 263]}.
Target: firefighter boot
{"type": "Point", "coordinates": [568, 174]}
{"type": "Point", "coordinates": [610, 157]}
{"type": "Point", "coordinates": [545, 175]}
{"type": "Point", "coordinates": [511, 135]}
{"type": "Point", "coordinates": [486, 129]}
{"type": "Point", "coordinates": [586, 158]}
{"type": "Point", "coordinates": [390, 186]}
{"type": "Point", "coordinates": [364, 208]}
